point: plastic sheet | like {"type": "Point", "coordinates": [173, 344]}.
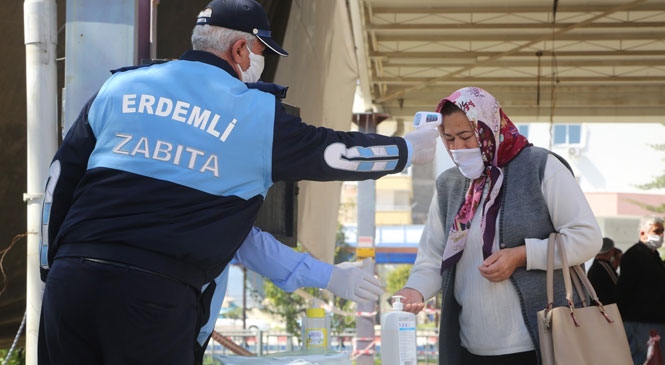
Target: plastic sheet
{"type": "Point", "coordinates": [289, 358]}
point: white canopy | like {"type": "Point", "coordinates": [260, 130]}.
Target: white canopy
{"type": "Point", "coordinates": [321, 73]}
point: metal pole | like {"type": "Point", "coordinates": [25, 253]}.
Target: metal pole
{"type": "Point", "coordinates": [365, 319]}
{"type": "Point", "coordinates": [41, 38]}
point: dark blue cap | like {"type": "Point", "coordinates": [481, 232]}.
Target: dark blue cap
{"type": "Point", "coordinates": [243, 15]}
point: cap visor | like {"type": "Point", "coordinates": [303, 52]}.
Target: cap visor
{"type": "Point", "coordinates": [272, 46]}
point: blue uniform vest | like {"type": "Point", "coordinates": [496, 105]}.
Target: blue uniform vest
{"type": "Point", "coordinates": [180, 127]}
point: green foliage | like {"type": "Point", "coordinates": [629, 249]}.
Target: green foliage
{"type": "Point", "coordinates": [657, 183]}
{"type": "Point", "coordinates": [339, 322]}
{"type": "Point", "coordinates": [397, 278]}
{"type": "Point", "coordinates": [235, 313]}
{"type": "Point", "coordinates": [649, 207]}
{"type": "Point", "coordinates": [291, 307]}
{"type": "Point", "coordinates": [17, 357]}
{"type": "Point", "coordinates": [209, 360]}
{"type": "Point", "coordinates": [343, 251]}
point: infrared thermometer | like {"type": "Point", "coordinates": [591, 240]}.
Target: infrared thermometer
{"type": "Point", "coordinates": [432, 119]}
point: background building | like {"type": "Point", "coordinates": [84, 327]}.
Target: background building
{"type": "Point", "coordinates": [611, 161]}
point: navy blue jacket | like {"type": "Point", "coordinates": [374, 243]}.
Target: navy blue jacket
{"type": "Point", "coordinates": [167, 166]}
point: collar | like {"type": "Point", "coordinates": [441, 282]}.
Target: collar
{"type": "Point", "coordinates": [209, 58]}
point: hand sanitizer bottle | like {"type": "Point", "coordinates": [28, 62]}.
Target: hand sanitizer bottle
{"type": "Point", "coordinates": [316, 329]}
{"type": "Point", "coordinates": [398, 335]}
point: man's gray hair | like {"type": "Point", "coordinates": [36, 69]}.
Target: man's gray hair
{"type": "Point", "coordinates": [210, 38]}
{"type": "Point", "coordinates": [649, 220]}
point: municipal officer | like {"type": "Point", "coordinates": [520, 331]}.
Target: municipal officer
{"type": "Point", "coordinates": [159, 181]}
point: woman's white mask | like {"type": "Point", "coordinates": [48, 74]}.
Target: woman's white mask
{"type": "Point", "coordinates": [255, 69]}
{"type": "Point", "coordinates": [469, 161]}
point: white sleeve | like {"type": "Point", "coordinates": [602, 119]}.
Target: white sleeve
{"type": "Point", "coordinates": [285, 267]}
{"type": "Point", "coordinates": [426, 272]}
{"type": "Point", "coordinates": [571, 216]}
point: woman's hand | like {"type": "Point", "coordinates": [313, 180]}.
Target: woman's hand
{"type": "Point", "coordinates": [413, 301]}
{"type": "Point", "coordinates": [501, 264]}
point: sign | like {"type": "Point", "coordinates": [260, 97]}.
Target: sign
{"type": "Point", "coordinates": [365, 252]}
{"type": "Point", "coordinates": [365, 241]}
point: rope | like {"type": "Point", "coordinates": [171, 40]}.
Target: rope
{"type": "Point", "coordinates": [18, 334]}
{"type": "Point", "coordinates": [229, 344]}
{"type": "Point", "coordinates": [366, 351]}
{"type": "Point", "coordinates": [555, 73]}
{"type": "Point", "coordinates": [4, 253]}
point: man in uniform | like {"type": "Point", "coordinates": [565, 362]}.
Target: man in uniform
{"type": "Point", "coordinates": [158, 183]}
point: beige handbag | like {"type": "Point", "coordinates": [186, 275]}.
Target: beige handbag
{"type": "Point", "coordinates": [588, 335]}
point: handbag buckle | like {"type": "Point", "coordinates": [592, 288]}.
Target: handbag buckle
{"type": "Point", "coordinates": [548, 315]}
{"type": "Point", "coordinates": [607, 317]}
{"type": "Point", "coordinates": [572, 312]}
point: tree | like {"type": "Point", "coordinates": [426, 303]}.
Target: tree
{"type": "Point", "coordinates": [397, 278]}
{"type": "Point", "coordinates": [657, 183]}
{"type": "Point", "coordinates": [17, 357]}
{"type": "Point", "coordinates": [291, 306]}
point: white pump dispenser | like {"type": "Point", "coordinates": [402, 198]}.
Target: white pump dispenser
{"type": "Point", "coordinates": [397, 303]}
{"type": "Point", "coordinates": [398, 335]}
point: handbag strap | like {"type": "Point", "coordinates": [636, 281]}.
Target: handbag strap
{"type": "Point", "coordinates": [552, 241]}
{"type": "Point", "coordinates": [576, 271]}
{"type": "Point", "coordinates": [579, 288]}
{"type": "Point", "coordinates": [579, 273]}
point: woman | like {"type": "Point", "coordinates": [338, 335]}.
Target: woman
{"type": "Point", "coordinates": [485, 242]}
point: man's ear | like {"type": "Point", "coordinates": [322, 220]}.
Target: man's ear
{"type": "Point", "coordinates": [237, 49]}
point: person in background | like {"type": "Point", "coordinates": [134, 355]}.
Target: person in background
{"type": "Point", "coordinates": [159, 181]}
{"type": "Point", "coordinates": [618, 254]}
{"type": "Point", "coordinates": [289, 270]}
{"type": "Point", "coordinates": [602, 274]}
{"type": "Point", "coordinates": [640, 291]}
{"type": "Point", "coordinates": [484, 244]}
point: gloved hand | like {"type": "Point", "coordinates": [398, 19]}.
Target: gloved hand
{"type": "Point", "coordinates": [353, 281]}
{"type": "Point", "coordinates": [423, 142]}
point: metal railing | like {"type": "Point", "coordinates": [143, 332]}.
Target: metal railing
{"type": "Point", "coordinates": [264, 343]}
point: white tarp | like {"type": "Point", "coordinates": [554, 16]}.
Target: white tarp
{"type": "Point", "coordinates": [321, 74]}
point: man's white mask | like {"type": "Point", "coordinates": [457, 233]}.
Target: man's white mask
{"type": "Point", "coordinates": [654, 241]}
{"type": "Point", "coordinates": [255, 69]}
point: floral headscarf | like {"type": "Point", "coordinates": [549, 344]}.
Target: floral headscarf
{"type": "Point", "coordinates": [495, 132]}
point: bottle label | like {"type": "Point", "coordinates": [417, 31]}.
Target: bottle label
{"type": "Point", "coordinates": [407, 342]}
{"type": "Point", "coordinates": [316, 337]}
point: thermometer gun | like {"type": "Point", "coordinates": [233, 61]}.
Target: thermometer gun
{"type": "Point", "coordinates": [427, 118]}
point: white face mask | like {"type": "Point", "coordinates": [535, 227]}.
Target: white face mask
{"type": "Point", "coordinates": [469, 161]}
{"type": "Point", "coordinates": [255, 69]}
{"type": "Point", "coordinates": [654, 241]}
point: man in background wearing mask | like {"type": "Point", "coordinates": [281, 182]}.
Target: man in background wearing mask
{"type": "Point", "coordinates": [159, 181]}
{"type": "Point", "coordinates": [641, 288]}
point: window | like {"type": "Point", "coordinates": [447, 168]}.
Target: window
{"type": "Point", "coordinates": [393, 200]}
{"type": "Point", "coordinates": [523, 129]}
{"type": "Point", "coordinates": [567, 134]}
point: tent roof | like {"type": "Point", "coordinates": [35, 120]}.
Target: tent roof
{"type": "Point", "coordinates": [606, 58]}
